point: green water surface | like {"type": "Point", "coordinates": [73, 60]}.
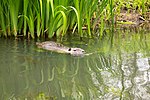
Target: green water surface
{"type": "Point", "coordinates": [118, 70]}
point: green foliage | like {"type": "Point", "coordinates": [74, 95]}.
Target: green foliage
{"type": "Point", "coordinates": [38, 18]}
{"type": "Point", "coordinates": [2, 22]}
{"type": "Point", "coordinates": [48, 17]}
{"type": "Point", "coordinates": [140, 5]}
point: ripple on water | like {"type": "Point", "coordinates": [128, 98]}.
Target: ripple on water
{"type": "Point", "coordinates": [143, 64]}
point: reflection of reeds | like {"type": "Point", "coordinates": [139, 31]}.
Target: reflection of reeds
{"type": "Point", "coordinates": [63, 76]}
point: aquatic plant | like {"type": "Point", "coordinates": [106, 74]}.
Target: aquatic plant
{"type": "Point", "coordinates": [33, 18]}
{"type": "Point", "coordinates": [48, 18]}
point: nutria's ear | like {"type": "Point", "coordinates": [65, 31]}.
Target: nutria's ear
{"type": "Point", "coordinates": [69, 49]}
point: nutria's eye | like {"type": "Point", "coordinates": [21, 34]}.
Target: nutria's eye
{"type": "Point", "coordinates": [74, 50]}
{"type": "Point", "coordinates": [83, 51]}
{"type": "Point", "coordinates": [69, 49]}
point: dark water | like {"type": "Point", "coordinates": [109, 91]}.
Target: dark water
{"type": "Point", "coordinates": [119, 70]}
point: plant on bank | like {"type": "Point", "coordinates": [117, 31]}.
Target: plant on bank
{"type": "Point", "coordinates": [40, 18]}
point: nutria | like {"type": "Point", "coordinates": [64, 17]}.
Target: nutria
{"type": "Point", "coordinates": [57, 47]}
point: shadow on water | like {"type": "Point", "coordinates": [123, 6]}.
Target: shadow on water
{"type": "Point", "coordinates": [119, 70]}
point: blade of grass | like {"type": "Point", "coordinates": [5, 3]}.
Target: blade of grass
{"type": "Point", "coordinates": [64, 21]}
{"type": "Point", "coordinates": [2, 24]}
{"type": "Point", "coordinates": [38, 28]}
{"type": "Point", "coordinates": [31, 23]}
{"type": "Point", "coordinates": [52, 7]}
{"type": "Point", "coordinates": [47, 13]}
{"type": "Point", "coordinates": [112, 18]}
{"type": "Point", "coordinates": [78, 20]}
{"type": "Point", "coordinates": [14, 10]}
{"type": "Point", "coordinates": [25, 8]}
{"type": "Point", "coordinates": [77, 11]}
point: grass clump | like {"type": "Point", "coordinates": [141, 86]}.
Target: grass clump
{"type": "Point", "coordinates": [48, 18]}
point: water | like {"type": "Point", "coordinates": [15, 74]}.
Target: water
{"type": "Point", "coordinates": [117, 71]}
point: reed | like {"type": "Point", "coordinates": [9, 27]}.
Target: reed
{"type": "Point", "coordinates": [14, 11]}
{"type": "Point", "coordinates": [48, 17]}
{"type": "Point", "coordinates": [30, 21]}
{"type": "Point", "coordinates": [3, 26]}
{"type": "Point", "coordinates": [78, 5]}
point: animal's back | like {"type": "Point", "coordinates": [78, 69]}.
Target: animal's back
{"type": "Point", "coordinates": [57, 47]}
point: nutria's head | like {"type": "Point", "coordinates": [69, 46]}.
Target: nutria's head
{"type": "Point", "coordinates": [76, 51]}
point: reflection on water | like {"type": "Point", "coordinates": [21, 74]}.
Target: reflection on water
{"type": "Point", "coordinates": [110, 74]}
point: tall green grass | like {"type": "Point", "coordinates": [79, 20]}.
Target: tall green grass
{"type": "Point", "coordinates": [50, 18]}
